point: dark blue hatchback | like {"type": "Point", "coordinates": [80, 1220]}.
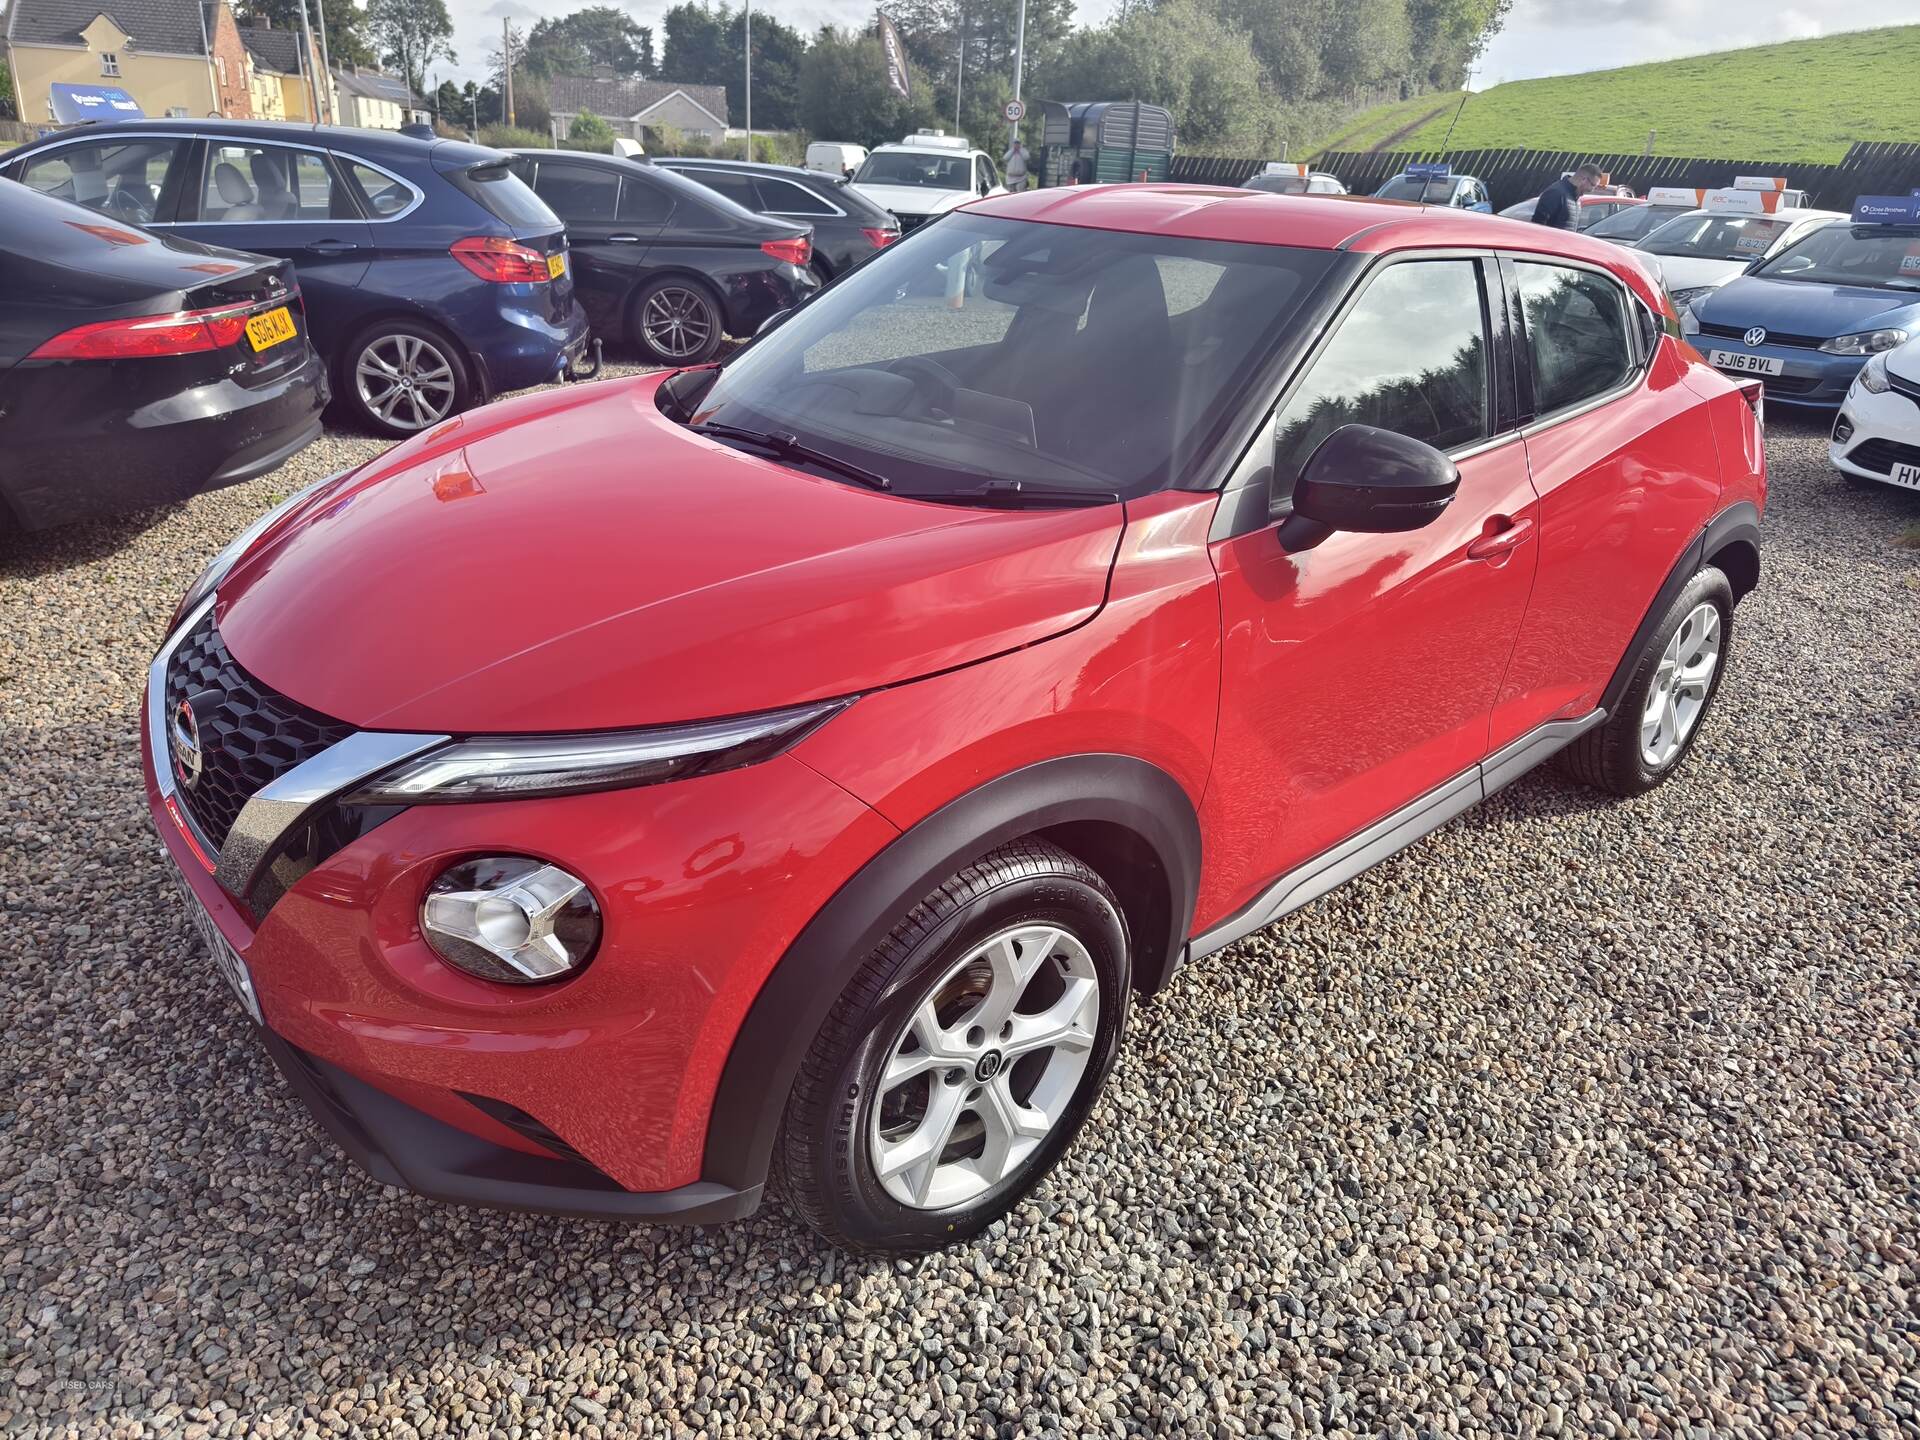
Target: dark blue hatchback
{"type": "Point", "coordinates": [434, 278]}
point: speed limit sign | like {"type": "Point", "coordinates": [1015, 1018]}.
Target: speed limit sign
{"type": "Point", "coordinates": [1015, 111]}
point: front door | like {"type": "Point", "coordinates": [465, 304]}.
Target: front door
{"type": "Point", "coordinates": [291, 204]}
{"type": "Point", "coordinates": [1361, 674]}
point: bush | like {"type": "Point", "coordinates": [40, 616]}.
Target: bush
{"type": "Point", "coordinates": [511, 137]}
{"type": "Point", "coordinates": [589, 132]}
{"type": "Point", "coordinates": [664, 140]}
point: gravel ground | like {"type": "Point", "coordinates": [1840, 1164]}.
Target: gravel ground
{"type": "Point", "coordinates": [1579, 1118]}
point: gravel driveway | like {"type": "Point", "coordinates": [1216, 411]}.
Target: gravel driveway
{"type": "Point", "coordinates": [1580, 1117]}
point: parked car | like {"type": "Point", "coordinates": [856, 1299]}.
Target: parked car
{"type": "Point", "coordinates": [847, 227]}
{"type": "Point", "coordinates": [923, 682]}
{"type": "Point", "coordinates": [1590, 211]}
{"type": "Point", "coordinates": [1876, 435]}
{"type": "Point", "coordinates": [138, 369]}
{"type": "Point", "coordinates": [433, 280]}
{"type": "Point", "coordinates": [1702, 250]}
{"type": "Point", "coordinates": [926, 175]}
{"type": "Point", "coordinates": [831, 157]}
{"type": "Point", "coordinates": [1630, 224]}
{"type": "Point", "coordinates": [663, 262]}
{"type": "Point", "coordinates": [1437, 185]}
{"type": "Point", "coordinates": [1808, 319]}
{"type": "Point", "coordinates": [1291, 181]}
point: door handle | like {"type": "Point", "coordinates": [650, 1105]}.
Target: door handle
{"type": "Point", "coordinates": [624, 239]}
{"type": "Point", "coordinates": [1501, 536]}
{"type": "Point", "coordinates": [331, 247]}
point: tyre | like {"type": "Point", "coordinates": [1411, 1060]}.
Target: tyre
{"type": "Point", "coordinates": [962, 1058]}
{"type": "Point", "coordinates": [1672, 687]}
{"type": "Point", "coordinates": [676, 321]}
{"type": "Point", "coordinates": [398, 377]}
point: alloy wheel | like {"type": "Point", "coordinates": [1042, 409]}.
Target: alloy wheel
{"type": "Point", "coordinates": [406, 381]}
{"type": "Point", "coordinates": [676, 321]}
{"type": "Point", "coordinates": [985, 1068]}
{"type": "Point", "coordinates": [1681, 685]}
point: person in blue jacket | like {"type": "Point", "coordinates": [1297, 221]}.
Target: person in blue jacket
{"type": "Point", "coordinates": [1558, 200]}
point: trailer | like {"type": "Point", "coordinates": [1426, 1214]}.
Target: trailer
{"type": "Point", "coordinates": [1104, 142]}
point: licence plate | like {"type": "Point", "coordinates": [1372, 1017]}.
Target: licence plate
{"type": "Point", "coordinates": [1907, 475]}
{"type": "Point", "coordinates": [556, 266]}
{"type": "Point", "coordinates": [225, 958]}
{"type": "Point", "coordinates": [270, 329]}
{"type": "Point", "coordinates": [1746, 364]}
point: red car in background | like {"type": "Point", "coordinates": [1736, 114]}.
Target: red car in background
{"type": "Point", "coordinates": [611, 798]}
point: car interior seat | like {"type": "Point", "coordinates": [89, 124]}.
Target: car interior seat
{"type": "Point", "coordinates": [271, 182]}
{"type": "Point", "coordinates": [235, 194]}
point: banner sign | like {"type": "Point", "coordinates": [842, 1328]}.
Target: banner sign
{"type": "Point", "coordinates": [1887, 210]}
{"type": "Point", "coordinates": [75, 103]}
{"type": "Point", "coordinates": [899, 78]}
{"type": "Point", "coordinates": [1283, 167]}
{"type": "Point", "coordinates": [1676, 195]}
{"type": "Point", "coordinates": [1430, 170]}
{"type": "Point", "coordinates": [1742, 202]}
{"type": "Point", "coordinates": [1759, 182]}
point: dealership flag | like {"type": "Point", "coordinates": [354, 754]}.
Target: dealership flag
{"type": "Point", "coordinates": [897, 76]}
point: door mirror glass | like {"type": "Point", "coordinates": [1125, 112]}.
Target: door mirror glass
{"type": "Point", "coordinates": [1368, 481]}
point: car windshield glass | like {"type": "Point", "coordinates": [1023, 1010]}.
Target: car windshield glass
{"type": "Point", "coordinates": [901, 167]}
{"type": "Point", "coordinates": [505, 196]}
{"type": "Point", "coordinates": [1631, 222]}
{"type": "Point", "coordinates": [1434, 192]}
{"type": "Point", "coordinates": [1716, 237]}
{"type": "Point", "coordinates": [1279, 184]}
{"type": "Point", "coordinates": [1878, 256]}
{"type": "Point", "coordinates": [996, 350]}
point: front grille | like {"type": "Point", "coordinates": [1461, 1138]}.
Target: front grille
{"type": "Point", "coordinates": [1790, 384]}
{"type": "Point", "coordinates": [1880, 456]}
{"type": "Point", "coordinates": [1774, 337]}
{"type": "Point", "coordinates": [249, 735]}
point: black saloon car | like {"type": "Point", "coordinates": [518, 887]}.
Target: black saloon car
{"type": "Point", "coordinates": [847, 227]}
{"type": "Point", "coordinates": [137, 369]}
{"type": "Point", "coordinates": [664, 263]}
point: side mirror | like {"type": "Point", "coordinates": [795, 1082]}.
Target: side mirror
{"type": "Point", "coordinates": [774, 321]}
{"type": "Point", "coordinates": [1368, 481]}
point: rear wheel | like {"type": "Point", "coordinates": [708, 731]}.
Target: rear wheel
{"type": "Point", "coordinates": [400, 377]}
{"type": "Point", "coordinates": [676, 321]}
{"type": "Point", "coordinates": [958, 1065]}
{"type": "Point", "coordinates": [1673, 685]}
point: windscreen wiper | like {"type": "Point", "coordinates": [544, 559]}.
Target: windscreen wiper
{"type": "Point", "coordinates": [1024, 495]}
{"type": "Point", "coordinates": [791, 447]}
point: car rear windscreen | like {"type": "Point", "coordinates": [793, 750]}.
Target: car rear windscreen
{"type": "Point", "coordinates": [505, 196]}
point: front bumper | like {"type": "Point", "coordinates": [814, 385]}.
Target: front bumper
{"type": "Point", "coordinates": [1879, 432]}
{"type": "Point", "coordinates": [1807, 377]}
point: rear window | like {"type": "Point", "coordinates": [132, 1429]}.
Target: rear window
{"type": "Point", "coordinates": [505, 196]}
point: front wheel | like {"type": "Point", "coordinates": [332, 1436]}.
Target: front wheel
{"type": "Point", "coordinates": [964, 1056]}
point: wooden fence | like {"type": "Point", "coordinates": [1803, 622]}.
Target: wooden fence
{"type": "Point", "coordinates": [1515, 175]}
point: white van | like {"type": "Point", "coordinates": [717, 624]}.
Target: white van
{"type": "Point", "coordinates": [833, 158]}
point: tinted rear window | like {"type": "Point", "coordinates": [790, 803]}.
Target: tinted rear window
{"type": "Point", "coordinates": [505, 196]}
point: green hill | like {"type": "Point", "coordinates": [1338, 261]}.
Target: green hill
{"type": "Point", "coordinates": [1802, 100]}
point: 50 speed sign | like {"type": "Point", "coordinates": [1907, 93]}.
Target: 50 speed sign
{"type": "Point", "coordinates": [1015, 111]}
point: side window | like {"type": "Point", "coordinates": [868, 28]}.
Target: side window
{"type": "Point", "coordinates": [122, 179]}
{"type": "Point", "coordinates": [385, 195]}
{"type": "Point", "coordinates": [1577, 334]}
{"type": "Point", "coordinates": [262, 184]}
{"type": "Point", "coordinates": [1411, 356]}
{"type": "Point", "coordinates": [783, 197]}
{"type": "Point", "coordinates": [578, 194]}
{"type": "Point", "coordinates": [990, 177]}
{"type": "Point", "coordinates": [643, 203]}
{"type": "Point", "coordinates": [737, 188]}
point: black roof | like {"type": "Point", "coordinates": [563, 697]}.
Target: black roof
{"type": "Point", "coordinates": [154, 26]}
{"type": "Point", "coordinates": [750, 167]}
{"type": "Point", "coordinates": [276, 49]}
{"type": "Point", "coordinates": [375, 144]}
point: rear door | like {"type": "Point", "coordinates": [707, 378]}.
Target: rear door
{"type": "Point", "coordinates": [612, 220]}
{"type": "Point", "coordinates": [1625, 464]}
{"type": "Point", "coordinates": [288, 202]}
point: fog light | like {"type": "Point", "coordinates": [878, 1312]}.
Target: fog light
{"type": "Point", "coordinates": [512, 919]}
{"type": "Point", "coordinates": [1842, 430]}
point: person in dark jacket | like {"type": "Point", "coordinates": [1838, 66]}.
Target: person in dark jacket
{"type": "Point", "coordinates": [1558, 202]}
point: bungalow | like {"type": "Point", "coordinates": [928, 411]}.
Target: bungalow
{"type": "Point", "coordinates": [629, 106]}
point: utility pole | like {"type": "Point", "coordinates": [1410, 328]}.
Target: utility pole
{"type": "Point", "coordinates": [506, 66]}
{"type": "Point", "coordinates": [313, 84]}
{"type": "Point", "coordinates": [959, 72]}
{"type": "Point", "coordinates": [748, 47]}
{"type": "Point", "coordinates": [1019, 63]}
{"type": "Point", "coordinates": [326, 60]}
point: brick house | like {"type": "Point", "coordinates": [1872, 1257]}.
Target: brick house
{"type": "Point", "coordinates": [282, 67]}
{"type": "Point", "coordinates": [629, 106]}
{"type": "Point", "coordinates": [175, 57]}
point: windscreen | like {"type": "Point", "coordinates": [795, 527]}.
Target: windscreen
{"type": "Point", "coordinates": [985, 349]}
{"type": "Point", "coordinates": [1716, 237]}
{"type": "Point", "coordinates": [1631, 222]}
{"type": "Point", "coordinates": [902, 167]}
{"type": "Point", "coordinates": [1433, 192]}
{"type": "Point", "coordinates": [505, 196]}
{"type": "Point", "coordinates": [1279, 184]}
{"type": "Point", "coordinates": [1882, 257]}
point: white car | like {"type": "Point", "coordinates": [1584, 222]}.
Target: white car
{"type": "Point", "coordinates": [927, 174]}
{"type": "Point", "coordinates": [1703, 249]}
{"type": "Point", "coordinates": [1877, 434]}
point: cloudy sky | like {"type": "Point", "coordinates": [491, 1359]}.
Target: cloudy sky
{"type": "Point", "coordinates": [1542, 37]}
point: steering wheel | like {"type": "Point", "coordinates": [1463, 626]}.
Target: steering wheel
{"type": "Point", "coordinates": [128, 206]}
{"type": "Point", "coordinates": [942, 381]}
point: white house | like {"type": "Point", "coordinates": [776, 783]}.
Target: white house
{"type": "Point", "coordinates": [629, 106]}
{"type": "Point", "coordinates": [375, 100]}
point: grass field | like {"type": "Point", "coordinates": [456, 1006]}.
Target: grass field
{"type": "Point", "coordinates": [1802, 100]}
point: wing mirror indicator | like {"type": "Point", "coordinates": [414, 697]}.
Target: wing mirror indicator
{"type": "Point", "coordinates": [1370, 482]}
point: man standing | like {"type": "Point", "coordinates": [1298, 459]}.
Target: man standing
{"type": "Point", "coordinates": [1556, 205]}
{"type": "Point", "coordinates": [1014, 162]}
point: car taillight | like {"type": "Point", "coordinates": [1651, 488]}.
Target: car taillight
{"type": "Point", "coordinates": [797, 251]}
{"type": "Point", "coordinates": [505, 262]}
{"type": "Point", "coordinates": [879, 238]}
{"type": "Point", "coordinates": [141, 337]}
{"type": "Point", "coordinates": [1756, 397]}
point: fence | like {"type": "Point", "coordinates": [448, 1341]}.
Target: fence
{"type": "Point", "coordinates": [1515, 175]}
{"type": "Point", "coordinates": [16, 132]}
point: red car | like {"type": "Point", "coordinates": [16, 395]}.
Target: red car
{"type": "Point", "coordinates": [616, 797]}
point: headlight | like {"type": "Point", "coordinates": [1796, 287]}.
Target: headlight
{"type": "Point", "coordinates": [1866, 342]}
{"type": "Point", "coordinates": [1686, 297]}
{"type": "Point", "coordinates": [1873, 376]}
{"type": "Point", "coordinates": [1689, 322]}
{"type": "Point", "coordinates": [512, 919]}
{"type": "Point", "coordinates": [534, 765]}
{"type": "Point", "coordinates": [208, 580]}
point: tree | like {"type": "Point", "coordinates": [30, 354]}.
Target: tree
{"type": "Point", "coordinates": [844, 95]}
{"type": "Point", "coordinates": [706, 45]}
{"type": "Point", "coordinates": [589, 132]}
{"type": "Point", "coordinates": [600, 37]}
{"type": "Point", "coordinates": [345, 25]}
{"type": "Point", "coordinates": [695, 46]}
{"type": "Point", "coordinates": [410, 35]}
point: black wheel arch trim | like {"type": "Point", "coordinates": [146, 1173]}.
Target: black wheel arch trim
{"type": "Point", "coordinates": [1072, 800]}
{"type": "Point", "coordinates": [1736, 526]}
